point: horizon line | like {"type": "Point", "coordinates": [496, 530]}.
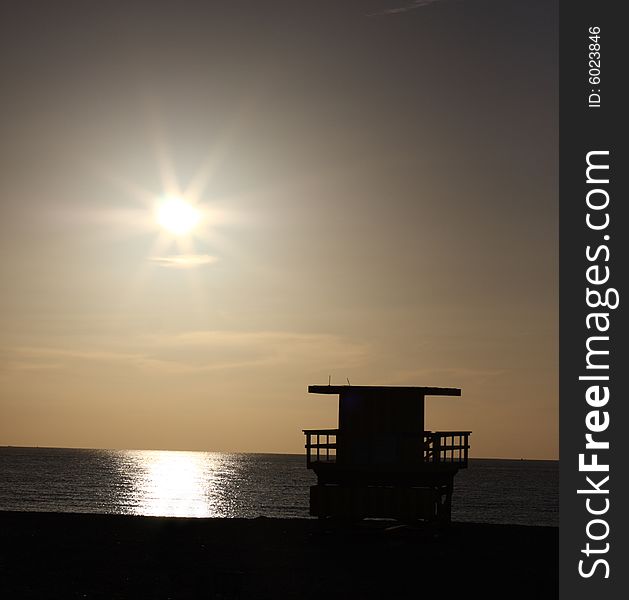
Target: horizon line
{"type": "Point", "coordinates": [238, 452]}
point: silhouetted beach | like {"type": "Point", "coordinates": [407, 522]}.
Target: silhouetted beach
{"type": "Point", "coordinates": [50, 555]}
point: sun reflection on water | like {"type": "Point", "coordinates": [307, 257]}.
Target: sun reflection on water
{"type": "Point", "coordinates": [176, 484]}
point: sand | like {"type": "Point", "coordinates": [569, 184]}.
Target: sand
{"type": "Point", "coordinates": [48, 555]}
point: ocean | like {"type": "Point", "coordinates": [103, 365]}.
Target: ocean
{"type": "Point", "coordinates": [218, 484]}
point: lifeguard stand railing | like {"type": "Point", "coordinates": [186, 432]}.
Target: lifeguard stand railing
{"type": "Point", "coordinates": [450, 447]}
{"type": "Point", "coordinates": [320, 445]}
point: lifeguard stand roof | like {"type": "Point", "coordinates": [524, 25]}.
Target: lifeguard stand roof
{"type": "Point", "coordinates": [389, 390]}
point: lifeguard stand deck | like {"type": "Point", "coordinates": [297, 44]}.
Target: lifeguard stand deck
{"type": "Point", "coordinates": [381, 462]}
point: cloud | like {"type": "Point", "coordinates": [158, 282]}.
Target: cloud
{"type": "Point", "coordinates": [73, 353]}
{"type": "Point", "coordinates": [202, 351]}
{"type": "Point", "coordinates": [214, 349]}
{"type": "Point", "coordinates": [456, 376]}
{"type": "Point", "coordinates": [402, 9]}
{"type": "Point", "coordinates": [21, 366]}
{"type": "Point", "coordinates": [183, 261]}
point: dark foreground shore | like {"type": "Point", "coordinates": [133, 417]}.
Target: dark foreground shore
{"type": "Point", "coordinates": [45, 555]}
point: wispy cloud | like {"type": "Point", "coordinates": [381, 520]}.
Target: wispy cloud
{"type": "Point", "coordinates": [456, 376]}
{"type": "Point", "coordinates": [183, 261]}
{"type": "Point", "coordinates": [25, 365]}
{"type": "Point", "coordinates": [201, 351]}
{"type": "Point", "coordinates": [211, 350]}
{"type": "Point", "coordinates": [402, 9]}
{"type": "Point", "coordinates": [75, 353]}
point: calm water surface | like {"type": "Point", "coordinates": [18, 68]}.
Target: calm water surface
{"type": "Point", "coordinates": [217, 484]}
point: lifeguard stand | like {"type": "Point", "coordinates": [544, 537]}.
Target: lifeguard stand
{"type": "Point", "coordinates": [381, 462]}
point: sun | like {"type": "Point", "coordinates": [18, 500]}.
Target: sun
{"type": "Point", "coordinates": [177, 216]}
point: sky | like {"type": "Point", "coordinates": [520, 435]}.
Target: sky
{"type": "Point", "coordinates": [376, 183]}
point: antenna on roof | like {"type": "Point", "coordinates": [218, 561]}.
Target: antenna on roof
{"type": "Point", "coordinates": [329, 379]}
{"type": "Point", "coordinates": [348, 383]}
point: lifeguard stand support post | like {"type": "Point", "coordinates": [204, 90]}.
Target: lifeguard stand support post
{"type": "Point", "coordinates": [381, 462]}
